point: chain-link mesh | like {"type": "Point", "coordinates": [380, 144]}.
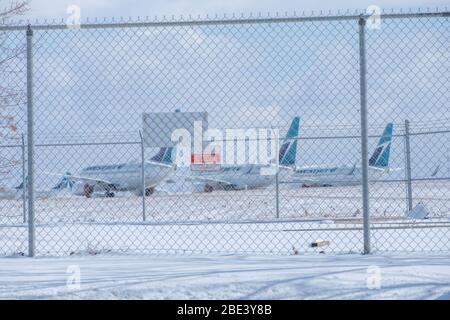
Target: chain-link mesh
{"type": "Point", "coordinates": [407, 60]}
{"type": "Point", "coordinates": [299, 78]}
{"type": "Point", "coordinates": [13, 230]}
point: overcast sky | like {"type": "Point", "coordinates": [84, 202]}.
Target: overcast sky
{"type": "Point", "coordinates": [95, 84]}
{"type": "Point", "coordinates": [49, 9]}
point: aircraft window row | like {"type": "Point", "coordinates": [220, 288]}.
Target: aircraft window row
{"type": "Point", "coordinates": [104, 168]}
{"type": "Point", "coordinates": [229, 169]}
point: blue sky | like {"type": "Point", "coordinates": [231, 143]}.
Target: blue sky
{"type": "Point", "coordinates": [50, 9]}
{"type": "Point", "coordinates": [94, 84]}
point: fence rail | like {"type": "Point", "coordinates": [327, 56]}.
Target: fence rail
{"type": "Point", "coordinates": [223, 21]}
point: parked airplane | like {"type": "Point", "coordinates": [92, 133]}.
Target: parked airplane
{"type": "Point", "coordinates": [347, 175]}
{"type": "Point", "coordinates": [125, 176]}
{"type": "Point", "coordinates": [251, 176]}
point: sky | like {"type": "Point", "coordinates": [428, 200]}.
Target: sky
{"type": "Point", "coordinates": [94, 85]}
{"type": "Point", "coordinates": [51, 9]}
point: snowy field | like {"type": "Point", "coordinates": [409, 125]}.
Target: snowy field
{"type": "Point", "coordinates": [388, 200]}
{"type": "Point", "coordinates": [232, 222]}
{"type": "Point", "coordinates": [259, 238]}
{"type": "Point", "coordinates": [112, 276]}
{"type": "Point", "coordinates": [216, 243]}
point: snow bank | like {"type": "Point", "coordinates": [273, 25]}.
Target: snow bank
{"type": "Point", "coordinates": [113, 276]}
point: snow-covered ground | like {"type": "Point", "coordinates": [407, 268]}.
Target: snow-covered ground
{"type": "Point", "coordinates": [115, 276]}
{"type": "Point", "coordinates": [199, 228]}
{"type": "Point", "coordinates": [232, 222]}
{"type": "Point", "coordinates": [387, 200]}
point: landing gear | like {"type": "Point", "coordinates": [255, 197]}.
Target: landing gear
{"type": "Point", "coordinates": [208, 188]}
{"type": "Point", "coordinates": [110, 194]}
{"type": "Point", "coordinates": [88, 190]}
{"type": "Point", "coordinates": [149, 191]}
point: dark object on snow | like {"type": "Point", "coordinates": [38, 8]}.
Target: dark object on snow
{"type": "Point", "coordinates": [320, 243]}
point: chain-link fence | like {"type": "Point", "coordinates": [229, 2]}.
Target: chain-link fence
{"type": "Point", "coordinates": [350, 122]}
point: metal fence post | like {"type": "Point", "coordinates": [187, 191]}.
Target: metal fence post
{"type": "Point", "coordinates": [30, 144]}
{"type": "Point", "coordinates": [144, 213]}
{"type": "Point", "coordinates": [364, 134]}
{"type": "Point", "coordinates": [408, 166]}
{"type": "Point", "coordinates": [277, 190]}
{"type": "Point", "coordinates": [277, 186]}
{"type": "Point", "coordinates": [24, 181]}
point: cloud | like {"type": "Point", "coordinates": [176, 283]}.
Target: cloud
{"type": "Point", "coordinates": [98, 82]}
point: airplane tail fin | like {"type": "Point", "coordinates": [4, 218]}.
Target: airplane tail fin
{"type": "Point", "coordinates": [288, 149]}
{"type": "Point", "coordinates": [170, 154]}
{"type": "Point", "coordinates": [65, 183]}
{"type": "Point", "coordinates": [436, 170]}
{"type": "Point", "coordinates": [21, 185]}
{"type": "Point", "coordinates": [380, 157]}
{"type": "Point", "coordinates": [164, 155]}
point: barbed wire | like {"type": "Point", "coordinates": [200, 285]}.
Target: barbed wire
{"type": "Point", "coordinates": [269, 17]}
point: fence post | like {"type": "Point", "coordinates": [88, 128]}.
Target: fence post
{"type": "Point", "coordinates": [277, 186]}
{"type": "Point", "coordinates": [408, 166]}
{"type": "Point", "coordinates": [24, 181]}
{"type": "Point", "coordinates": [364, 134]}
{"type": "Point", "coordinates": [277, 190]}
{"type": "Point", "coordinates": [30, 144]}
{"type": "Point", "coordinates": [144, 213]}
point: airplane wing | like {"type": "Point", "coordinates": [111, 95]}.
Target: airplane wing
{"type": "Point", "coordinates": [310, 181]}
{"type": "Point", "coordinates": [161, 164]}
{"type": "Point", "coordinates": [203, 179]}
{"type": "Point", "coordinates": [385, 170]}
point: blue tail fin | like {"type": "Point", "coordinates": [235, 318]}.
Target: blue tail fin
{"type": "Point", "coordinates": [436, 171]}
{"type": "Point", "coordinates": [21, 185]}
{"type": "Point", "coordinates": [380, 157]}
{"type": "Point", "coordinates": [288, 149]}
{"type": "Point", "coordinates": [164, 155]}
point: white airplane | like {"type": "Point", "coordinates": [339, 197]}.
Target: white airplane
{"type": "Point", "coordinates": [347, 175]}
{"type": "Point", "coordinates": [251, 176]}
{"type": "Point", "coordinates": [125, 176]}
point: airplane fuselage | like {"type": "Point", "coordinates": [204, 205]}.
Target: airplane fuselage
{"type": "Point", "coordinates": [332, 176]}
{"type": "Point", "coordinates": [128, 176]}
